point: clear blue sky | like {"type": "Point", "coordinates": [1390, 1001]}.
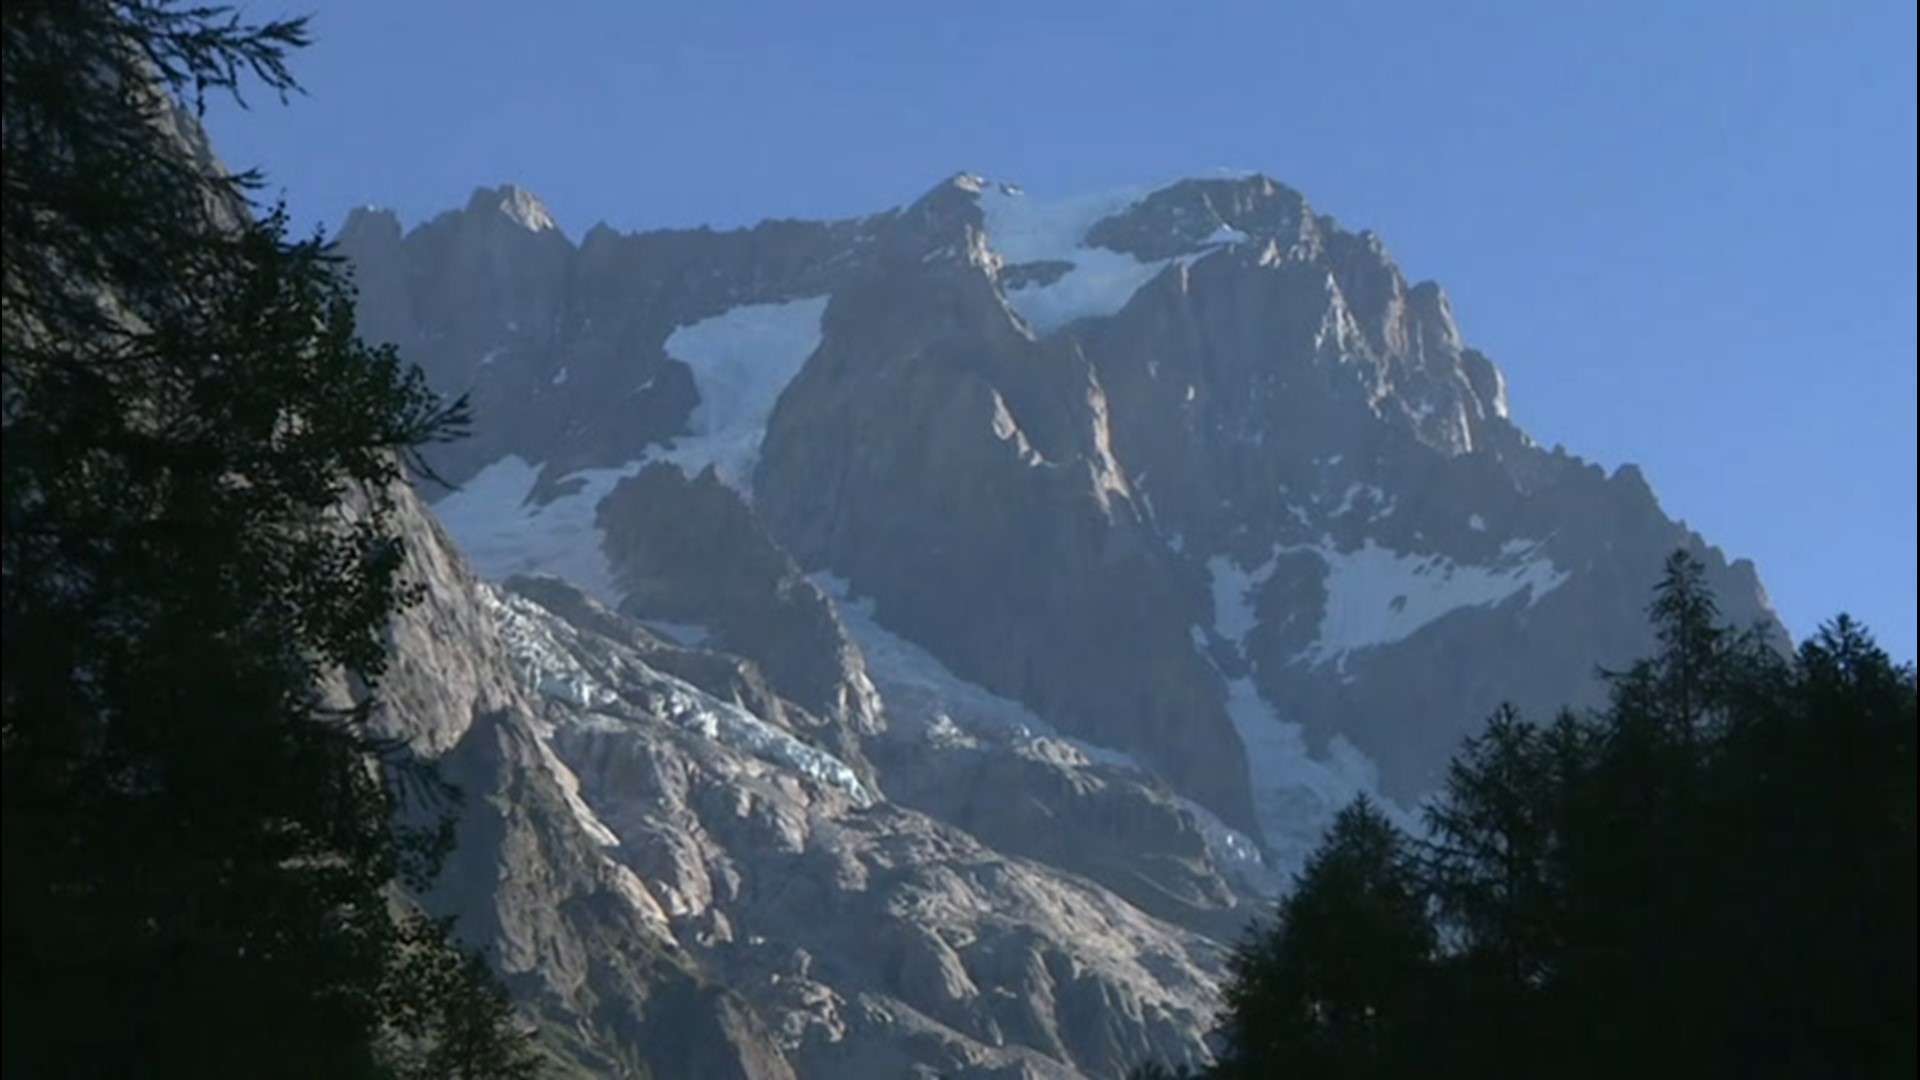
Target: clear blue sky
{"type": "Point", "coordinates": [1684, 228]}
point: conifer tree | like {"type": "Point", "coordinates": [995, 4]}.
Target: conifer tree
{"type": "Point", "coordinates": [1331, 988]}
{"type": "Point", "coordinates": [201, 859]}
{"type": "Point", "coordinates": [1713, 876]}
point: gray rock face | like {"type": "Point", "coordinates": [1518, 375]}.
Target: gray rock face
{"type": "Point", "coordinates": [961, 472]}
{"type": "Point", "coordinates": [682, 858]}
{"type": "Point", "coordinates": [1046, 800]}
{"type": "Point", "coordinates": [561, 345]}
{"type": "Point", "coordinates": [1024, 559]}
{"type": "Point", "coordinates": [690, 551]}
{"type": "Point", "coordinates": [873, 939]}
{"type": "Point", "coordinates": [668, 876]}
{"type": "Point", "coordinates": [1194, 473]}
{"type": "Point", "coordinates": [582, 940]}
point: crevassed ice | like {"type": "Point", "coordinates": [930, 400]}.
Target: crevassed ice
{"type": "Point", "coordinates": [735, 727]}
{"type": "Point", "coordinates": [503, 535]}
{"type": "Point", "coordinates": [922, 691]}
{"type": "Point", "coordinates": [544, 663]}
{"type": "Point", "coordinates": [742, 361]}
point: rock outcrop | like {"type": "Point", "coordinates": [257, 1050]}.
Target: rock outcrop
{"type": "Point", "coordinates": [1193, 473]}
{"type": "Point", "coordinates": [941, 630]}
{"type": "Point", "coordinates": [667, 876]}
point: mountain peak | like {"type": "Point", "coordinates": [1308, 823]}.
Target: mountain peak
{"type": "Point", "coordinates": [966, 181]}
{"type": "Point", "coordinates": [1183, 477]}
{"type": "Point", "coordinates": [368, 222]}
{"type": "Point", "coordinates": [516, 204]}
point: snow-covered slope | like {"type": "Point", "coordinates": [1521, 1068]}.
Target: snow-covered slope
{"type": "Point", "coordinates": [741, 360]}
{"type": "Point", "coordinates": [505, 530]}
{"type": "Point", "coordinates": [1187, 478]}
{"type": "Point", "coordinates": [1094, 282]}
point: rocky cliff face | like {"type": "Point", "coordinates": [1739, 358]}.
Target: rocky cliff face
{"type": "Point", "coordinates": [915, 646]}
{"type": "Point", "coordinates": [1190, 473]}
{"type": "Point", "coordinates": [673, 867]}
{"type": "Point", "coordinates": [757, 835]}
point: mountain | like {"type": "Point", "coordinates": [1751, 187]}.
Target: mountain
{"type": "Point", "coordinates": [913, 645]}
{"type": "Point", "coordinates": [669, 871]}
{"type": "Point", "coordinates": [1193, 472]}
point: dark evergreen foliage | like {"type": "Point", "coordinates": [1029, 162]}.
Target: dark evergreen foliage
{"type": "Point", "coordinates": [1714, 876]}
{"type": "Point", "coordinates": [1328, 987]}
{"type": "Point", "coordinates": [199, 458]}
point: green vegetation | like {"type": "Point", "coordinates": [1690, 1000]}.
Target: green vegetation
{"type": "Point", "coordinates": [203, 860]}
{"type": "Point", "coordinates": [1713, 876]}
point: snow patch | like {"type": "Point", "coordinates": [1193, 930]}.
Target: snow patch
{"type": "Point", "coordinates": [742, 360]}
{"type": "Point", "coordinates": [1377, 596]}
{"type": "Point", "coordinates": [1226, 234]}
{"type": "Point", "coordinates": [1295, 794]}
{"type": "Point", "coordinates": [1233, 614]}
{"type": "Point", "coordinates": [922, 692]}
{"type": "Point", "coordinates": [1354, 494]}
{"type": "Point", "coordinates": [1022, 229]}
{"type": "Point", "coordinates": [503, 534]}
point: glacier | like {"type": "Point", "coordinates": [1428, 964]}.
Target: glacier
{"type": "Point", "coordinates": [1022, 229]}
{"type": "Point", "coordinates": [535, 642]}
{"type": "Point", "coordinates": [742, 361]}
{"type": "Point", "coordinates": [503, 533]}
